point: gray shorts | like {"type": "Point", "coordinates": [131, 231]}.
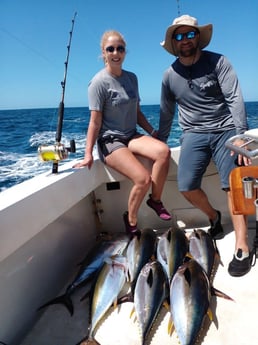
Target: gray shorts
{"type": "Point", "coordinates": [111, 143]}
{"type": "Point", "coordinates": [197, 150]}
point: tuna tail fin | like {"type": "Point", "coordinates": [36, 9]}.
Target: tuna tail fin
{"type": "Point", "coordinates": [125, 298]}
{"type": "Point", "coordinates": [64, 299]}
{"type": "Point", "coordinates": [218, 293]}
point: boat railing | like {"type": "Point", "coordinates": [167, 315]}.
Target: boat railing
{"type": "Point", "coordinates": [249, 148]}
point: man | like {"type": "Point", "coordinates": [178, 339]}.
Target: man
{"type": "Point", "coordinates": [210, 111]}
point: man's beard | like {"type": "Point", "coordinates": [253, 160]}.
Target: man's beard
{"type": "Point", "coordinates": [189, 52]}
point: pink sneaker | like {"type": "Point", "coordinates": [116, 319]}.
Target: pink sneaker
{"type": "Point", "coordinates": [130, 229]}
{"type": "Point", "coordinates": [159, 208]}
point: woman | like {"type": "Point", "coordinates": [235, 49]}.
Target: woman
{"type": "Point", "coordinates": [115, 112]}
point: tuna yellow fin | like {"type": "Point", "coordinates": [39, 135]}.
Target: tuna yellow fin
{"type": "Point", "coordinates": [189, 255]}
{"type": "Point", "coordinates": [209, 313]}
{"type": "Point", "coordinates": [115, 303]}
{"type": "Point", "coordinates": [132, 312]}
{"type": "Point", "coordinates": [171, 326]}
{"type": "Point", "coordinates": [166, 305]}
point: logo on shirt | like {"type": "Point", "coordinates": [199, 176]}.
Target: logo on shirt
{"type": "Point", "coordinates": [207, 85]}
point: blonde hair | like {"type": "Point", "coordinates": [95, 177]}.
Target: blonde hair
{"type": "Point", "coordinates": [105, 37]}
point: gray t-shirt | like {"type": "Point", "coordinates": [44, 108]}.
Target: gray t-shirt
{"type": "Point", "coordinates": [208, 96]}
{"type": "Point", "coordinates": [117, 98]}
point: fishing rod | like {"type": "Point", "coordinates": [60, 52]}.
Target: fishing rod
{"type": "Point", "coordinates": [58, 151]}
{"type": "Point", "coordinates": [178, 8]}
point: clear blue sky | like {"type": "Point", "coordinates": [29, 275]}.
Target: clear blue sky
{"type": "Point", "coordinates": [34, 36]}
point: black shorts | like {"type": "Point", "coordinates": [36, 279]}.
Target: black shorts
{"type": "Point", "coordinates": [111, 143]}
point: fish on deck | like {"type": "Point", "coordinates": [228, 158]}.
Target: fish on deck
{"type": "Point", "coordinates": [139, 252]}
{"type": "Point", "coordinates": [109, 283]}
{"type": "Point", "coordinates": [190, 296]}
{"type": "Point", "coordinates": [204, 250]}
{"type": "Point", "coordinates": [151, 290]}
{"type": "Point", "coordinates": [89, 267]}
{"type": "Point", "coordinates": [172, 248]}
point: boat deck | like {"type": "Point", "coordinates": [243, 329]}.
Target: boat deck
{"type": "Point", "coordinates": [234, 323]}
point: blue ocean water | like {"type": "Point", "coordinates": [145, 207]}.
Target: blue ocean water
{"type": "Point", "coordinates": [22, 131]}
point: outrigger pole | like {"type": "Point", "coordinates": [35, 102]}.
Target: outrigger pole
{"type": "Point", "coordinates": [58, 152]}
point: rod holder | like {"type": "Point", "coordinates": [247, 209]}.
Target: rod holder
{"type": "Point", "coordinates": [248, 186]}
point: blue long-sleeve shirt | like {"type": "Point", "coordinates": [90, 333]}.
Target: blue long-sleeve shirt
{"type": "Point", "coordinates": [208, 96]}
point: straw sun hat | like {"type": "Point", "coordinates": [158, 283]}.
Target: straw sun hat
{"type": "Point", "coordinates": [205, 32]}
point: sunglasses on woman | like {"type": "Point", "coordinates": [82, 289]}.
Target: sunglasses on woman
{"type": "Point", "coordinates": [189, 35]}
{"type": "Point", "coordinates": [119, 49]}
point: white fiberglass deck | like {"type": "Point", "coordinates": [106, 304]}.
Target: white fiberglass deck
{"type": "Point", "coordinates": [234, 323]}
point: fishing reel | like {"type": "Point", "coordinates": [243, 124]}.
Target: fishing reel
{"type": "Point", "coordinates": [56, 152]}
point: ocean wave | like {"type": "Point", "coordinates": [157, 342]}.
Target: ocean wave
{"type": "Point", "coordinates": [23, 131]}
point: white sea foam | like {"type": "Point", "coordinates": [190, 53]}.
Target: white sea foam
{"type": "Point", "coordinates": [23, 131]}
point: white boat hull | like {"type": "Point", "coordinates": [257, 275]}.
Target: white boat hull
{"type": "Point", "coordinates": [50, 222]}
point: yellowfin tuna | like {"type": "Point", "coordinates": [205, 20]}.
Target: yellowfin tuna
{"type": "Point", "coordinates": [189, 301]}
{"type": "Point", "coordinates": [171, 250]}
{"type": "Point", "coordinates": [150, 292]}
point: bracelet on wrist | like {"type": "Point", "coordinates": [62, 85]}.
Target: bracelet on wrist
{"type": "Point", "coordinates": [153, 131]}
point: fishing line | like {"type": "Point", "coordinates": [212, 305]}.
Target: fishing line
{"type": "Point", "coordinates": [16, 38]}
